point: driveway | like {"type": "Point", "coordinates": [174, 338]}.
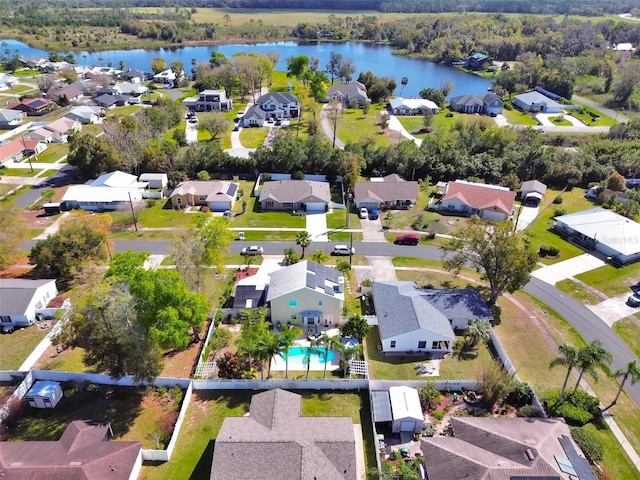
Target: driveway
{"type": "Point", "coordinates": [394, 124]}
{"type": "Point", "coordinates": [545, 119]}
{"type": "Point", "coordinates": [191, 133]}
{"type": "Point", "coordinates": [317, 226]}
{"type": "Point", "coordinates": [552, 274]}
{"type": "Point", "coordinates": [326, 127]}
{"type": "Point", "coordinates": [372, 230]}
{"type": "Point", "coordinates": [613, 309]}
{"type": "Point", "coordinates": [501, 120]}
{"type": "Point", "coordinates": [526, 217]}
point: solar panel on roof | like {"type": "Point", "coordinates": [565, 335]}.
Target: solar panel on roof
{"type": "Point", "coordinates": [579, 464]}
{"type": "Point", "coordinates": [232, 189]}
{"type": "Point", "coordinates": [565, 466]}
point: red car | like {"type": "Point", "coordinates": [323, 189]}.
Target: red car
{"type": "Point", "coordinates": [408, 239]}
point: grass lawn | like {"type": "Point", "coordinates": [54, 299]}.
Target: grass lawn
{"type": "Point", "coordinates": [147, 235]}
{"type": "Point", "coordinates": [5, 188]}
{"type": "Point", "coordinates": [338, 236]}
{"type": "Point", "coordinates": [214, 284]}
{"type": "Point", "coordinates": [434, 279]}
{"type": "Point", "coordinates": [19, 172]}
{"type": "Point", "coordinates": [121, 112]}
{"type": "Point", "coordinates": [156, 216]}
{"type": "Point", "coordinates": [53, 153]}
{"type": "Point", "coordinates": [16, 347]}
{"type": "Point", "coordinates": [208, 409]}
{"type": "Point", "coordinates": [603, 120]}
{"type": "Point", "coordinates": [70, 360]}
{"type": "Point", "coordinates": [578, 292]}
{"type": "Point", "coordinates": [338, 219]}
{"type": "Point", "coordinates": [540, 230]}
{"type": "Point", "coordinates": [516, 117]}
{"type": "Point", "coordinates": [255, 217]}
{"type": "Point", "coordinates": [628, 329]}
{"type": "Point", "coordinates": [560, 121]}
{"type": "Point", "coordinates": [242, 260]}
{"type": "Point", "coordinates": [353, 125]}
{"type": "Point", "coordinates": [134, 413]}
{"type": "Point", "coordinates": [253, 137]}
{"type": "Point", "coordinates": [612, 281]}
{"type": "Point", "coordinates": [403, 367]}
{"type": "Point", "coordinates": [269, 236]}
{"type": "Point", "coordinates": [440, 121]}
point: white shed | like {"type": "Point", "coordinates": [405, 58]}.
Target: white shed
{"type": "Point", "coordinates": [44, 394]}
{"type": "Point", "coordinates": [155, 180]}
{"type": "Point", "coordinates": [406, 410]}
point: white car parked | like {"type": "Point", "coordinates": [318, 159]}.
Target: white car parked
{"type": "Point", "coordinates": [343, 250]}
{"type": "Point", "coordinates": [363, 213]}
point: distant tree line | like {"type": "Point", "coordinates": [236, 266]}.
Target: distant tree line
{"type": "Point", "coordinates": [575, 7]}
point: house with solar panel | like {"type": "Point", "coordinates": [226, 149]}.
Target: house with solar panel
{"type": "Point", "coordinates": [306, 294]}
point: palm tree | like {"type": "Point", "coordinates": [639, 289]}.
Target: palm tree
{"type": "Point", "coordinates": [304, 240]}
{"type": "Point", "coordinates": [403, 82]}
{"type": "Point", "coordinates": [592, 356]}
{"type": "Point", "coordinates": [632, 371]}
{"type": "Point", "coordinates": [287, 338]}
{"type": "Point", "coordinates": [309, 352]}
{"type": "Point", "coordinates": [477, 331]}
{"type": "Point", "coordinates": [325, 341]}
{"type": "Point", "coordinates": [268, 347]}
{"type": "Point", "coordinates": [568, 359]}
{"type": "Point", "coordinates": [319, 256]}
{"type": "Point", "coordinates": [346, 352]}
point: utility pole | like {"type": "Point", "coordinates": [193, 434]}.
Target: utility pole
{"type": "Point", "coordinates": [133, 213]}
{"type": "Point", "coordinates": [350, 233]}
{"type": "Point", "coordinates": [24, 145]}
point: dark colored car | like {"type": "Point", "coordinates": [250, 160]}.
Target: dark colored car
{"type": "Point", "coordinates": [408, 239]}
{"type": "Point", "coordinates": [373, 214]}
{"type": "Point", "coordinates": [634, 300]}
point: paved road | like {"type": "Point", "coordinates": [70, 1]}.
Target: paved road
{"type": "Point", "coordinates": [580, 317]}
{"type": "Point", "coordinates": [620, 117]}
{"type": "Point", "coordinates": [64, 176]}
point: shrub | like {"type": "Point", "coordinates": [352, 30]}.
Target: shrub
{"type": "Point", "coordinates": [437, 415]}
{"type": "Point", "coordinates": [521, 395]}
{"type": "Point", "coordinates": [590, 444]}
{"type": "Point", "coordinates": [557, 200]}
{"type": "Point", "coordinates": [577, 408]}
{"type": "Point", "coordinates": [558, 212]}
{"type": "Point", "coordinates": [530, 411]}
{"type": "Point", "coordinates": [548, 251]}
{"type": "Point", "coordinates": [151, 202]}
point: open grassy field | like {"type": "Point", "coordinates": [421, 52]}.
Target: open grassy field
{"type": "Point", "coordinates": [353, 125]}
{"type": "Point", "coordinates": [253, 137]}
{"type": "Point", "coordinates": [160, 214]}
{"type": "Point", "coordinates": [53, 153]}
{"type": "Point", "coordinates": [628, 329]}
{"type": "Point", "coordinates": [208, 409]}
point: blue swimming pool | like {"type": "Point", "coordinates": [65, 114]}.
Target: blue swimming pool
{"type": "Point", "coordinates": [298, 353]}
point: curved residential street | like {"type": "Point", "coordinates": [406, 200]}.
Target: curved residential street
{"type": "Point", "coordinates": [590, 326]}
{"type": "Point", "coordinates": [617, 116]}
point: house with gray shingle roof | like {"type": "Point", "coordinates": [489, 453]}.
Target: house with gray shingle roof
{"type": "Point", "coordinates": [412, 319]}
{"type": "Point", "coordinates": [351, 94]}
{"type": "Point", "coordinates": [307, 294]}
{"type": "Point", "coordinates": [275, 441]}
{"type": "Point", "coordinates": [279, 105]}
{"type": "Point", "coordinates": [21, 300]}
{"type": "Point", "coordinates": [307, 195]}
{"type": "Point", "coordinates": [84, 451]}
{"type": "Point", "coordinates": [505, 448]}
{"type": "Point", "coordinates": [391, 191]}
{"type": "Point", "coordinates": [487, 103]}
{"type": "Point", "coordinates": [85, 114]}
{"type": "Point", "coordinates": [536, 102]}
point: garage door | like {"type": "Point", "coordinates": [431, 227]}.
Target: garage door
{"type": "Point", "coordinates": [316, 207]}
{"type": "Point", "coordinates": [407, 426]}
{"type": "Point", "coordinates": [368, 205]}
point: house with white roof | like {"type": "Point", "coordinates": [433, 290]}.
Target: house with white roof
{"type": "Point", "coordinates": [111, 191]}
{"type": "Point", "coordinates": [168, 76]}
{"type": "Point", "coordinates": [605, 231]}
{"type": "Point", "coordinates": [85, 114]}
{"type": "Point", "coordinates": [21, 300]}
{"type": "Point", "coordinates": [306, 294]}
{"type": "Point", "coordinates": [625, 48]}
{"type": "Point", "coordinates": [412, 319]}
{"type": "Point", "coordinates": [10, 118]}
{"type": "Point", "coordinates": [412, 106]}
{"type": "Point", "coordinates": [154, 180]}
{"type": "Point", "coordinates": [208, 101]}
{"type": "Point", "coordinates": [536, 102]}
{"type": "Point", "coordinates": [7, 80]}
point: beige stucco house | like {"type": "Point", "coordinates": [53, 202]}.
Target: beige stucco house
{"type": "Point", "coordinates": [306, 294]}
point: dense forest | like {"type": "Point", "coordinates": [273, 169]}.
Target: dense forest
{"type": "Point", "coordinates": [576, 7]}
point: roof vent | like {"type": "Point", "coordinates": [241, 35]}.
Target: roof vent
{"type": "Point", "coordinates": [75, 464]}
{"type": "Point", "coordinates": [529, 454]}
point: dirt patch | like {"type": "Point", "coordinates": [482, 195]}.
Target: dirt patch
{"type": "Point", "coordinates": [37, 220]}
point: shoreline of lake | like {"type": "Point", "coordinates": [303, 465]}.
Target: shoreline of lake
{"type": "Point", "coordinates": [381, 59]}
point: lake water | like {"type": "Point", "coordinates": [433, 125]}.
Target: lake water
{"type": "Point", "coordinates": [377, 58]}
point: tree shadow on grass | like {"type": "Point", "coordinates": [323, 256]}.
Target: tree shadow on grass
{"type": "Point", "coordinates": [203, 467]}
{"type": "Point", "coordinates": [231, 400]}
{"type": "Point", "coordinates": [463, 351]}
